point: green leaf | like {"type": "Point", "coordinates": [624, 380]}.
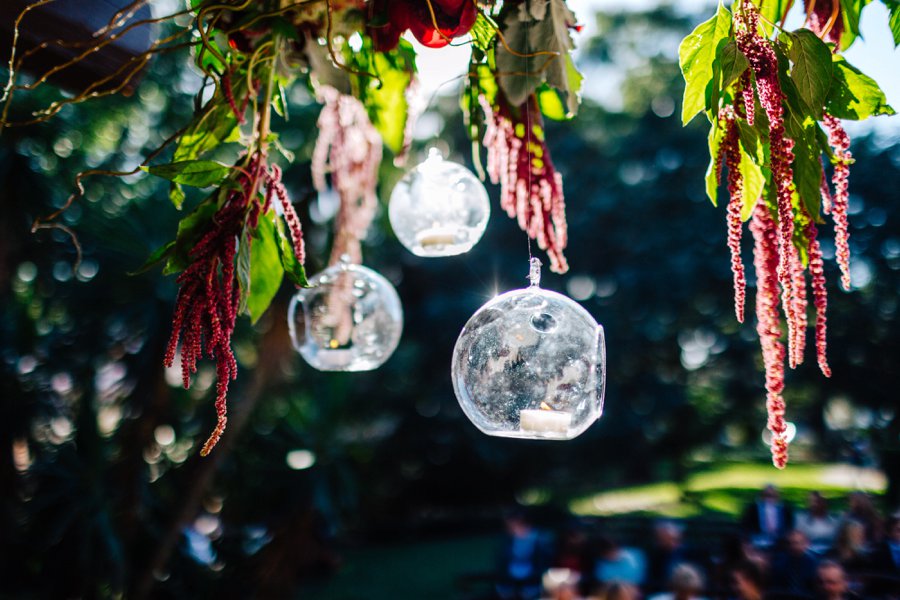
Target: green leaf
{"type": "Point", "coordinates": [697, 58]}
{"type": "Point", "coordinates": [716, 135]}
{"type": "Point", "coordinates": [850, 14]}
{"type": "Point", "coordinates": [552, 102]}
{"type": "Point", "coordinates": [807, 166]}
{"type": "Point", "coordinates": [211, 128]}
{"type": "Point", "coordinates": [772, 11]}
{"type": "Point", "coordinates": [266, 271]}
{"type": "Point", "coordinates": [894, 20]}
{"type": "Point", "coordinates": [155, 257]}
{"type": "Point", "coordinates": [176, 195]}
{"type": "Point", "coordinates": [733, 63]}
{"type": "Point", "coordinates": [538, 34]}
{"type": "Point", "coordinates": [195, 173]}
{"type": "Point", "coordinates": [811, 70]}
{"type": "Point", "coordinates": [854, 95]}
{"type": "Point", "coordinates": [385, 98]}
{"type": "Point", "coordinates": [190, 230]}
{"type": "Point", "coordinates": [753, 181]}
{"type": "Point", "coordinates": [293, 268]}
{"type": "Point", "coordinates": [242, 267]}
{"type": "Point", "coordinates": [483, 32]}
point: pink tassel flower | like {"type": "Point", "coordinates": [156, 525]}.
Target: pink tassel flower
{"type": "Point", "coordinates": [531, 189]}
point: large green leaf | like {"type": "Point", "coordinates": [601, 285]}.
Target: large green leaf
{"type": "Point", "coordinates": [854, 95]}
{"type": "Point", "coordinates": [212, 127]}
{"type": "Point", "coordinates": [385, 97]}
{"type": "Point", "coordinates": [773, 11]}
{"type": "Point", "coordinates": [190, 230]}
{"type": "Point", "coordinates": [733, 63]}
{"type": "Point", "coordinates": [850, 15]}
{"type": "Point", "coordinates": [811, 68]}
{"type": "Point", "coordinates": [714, 140]}
{"type": "Point", "coordinates": [266, 271]}
{"type": "Point", "coordinates": [697, 58]}
{"type": "Point", "coordinates": [538, 35]}
{"type": "Point", "coordinates": [753, 180]}
{"type": "Point", "coordinates": [196, 173]}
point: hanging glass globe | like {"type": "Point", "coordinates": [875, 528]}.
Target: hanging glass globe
{"type": "Point", "coordinates": [531, 364]}
{"type": "Point", "coordinates": [439, 208]}
{"type": "Point", "coordinates": [349, 319]}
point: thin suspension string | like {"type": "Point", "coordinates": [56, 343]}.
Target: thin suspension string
{"type": "Point", "coordinates": [528, 111]}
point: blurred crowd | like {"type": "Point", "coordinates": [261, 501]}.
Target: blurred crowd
{"type": "Point", "coordinates": [774, 552]}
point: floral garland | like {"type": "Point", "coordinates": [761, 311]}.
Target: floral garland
{"type": "Point", "coordinates": [764, 98]}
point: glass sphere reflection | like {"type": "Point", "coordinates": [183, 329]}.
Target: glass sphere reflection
{"type": "Point", "coordinates": [439, 208]}
{"type": "Point", "coordinates": [349, 319]}
{"type": "Point", "coordinates": [531, 363]}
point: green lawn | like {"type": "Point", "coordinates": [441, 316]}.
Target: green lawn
{"type": "Point", "coordinates": [727, 488]}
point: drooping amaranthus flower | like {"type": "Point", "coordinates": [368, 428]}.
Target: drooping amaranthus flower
{"type": "Point", "coordinates": [820, 296]}
{"type": "Point", "coordinates": [840, 144]}
{"type": "Point", "coordinates": [745, 85]}
{"type": "Point", "coordinates": [764, 64]}
{"type": "Point", "coordinates": [731, 153]}
{"type": "Point", "coordinates": [800, 306]}
{"type": "Point", "coordinates": [350, 149]}
{"type": "Point", "coordinates": [207, 303]}
{"type": "Point", "coordinates": [531, 189]}
{"type": "Point", "coordinates": [825, 19]}
{"type": "Point", "coordinates": [765, 262]}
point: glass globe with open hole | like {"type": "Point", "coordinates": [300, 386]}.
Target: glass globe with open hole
{"type": "Point", "coordinates": [439, 208]}
{"type": "Point", "coordinates": [531, 363]}
{"type": "Point", "coordinates": [349, 319]}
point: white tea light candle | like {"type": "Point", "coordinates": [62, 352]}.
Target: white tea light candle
{"type": "Point", "coordinates": [544, 421]}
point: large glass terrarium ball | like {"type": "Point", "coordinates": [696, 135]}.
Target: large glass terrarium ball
{"type": "Point", "coordinates": [349, 319]}
{"type": "Point", "coordinates": [439, 208]}
{"type": "Point", "coordinates": [531, 363]}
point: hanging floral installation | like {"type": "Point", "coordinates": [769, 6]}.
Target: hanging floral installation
{"type": "Point", "coordinates": [774, 100]}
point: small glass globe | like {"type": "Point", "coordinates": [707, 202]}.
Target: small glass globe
{"type": "Point", "coordinates": [531, 364]}
{"type": "Point", "coordinates": [439, 208]}
{"type": "Point", "coordinates": [349, 319]}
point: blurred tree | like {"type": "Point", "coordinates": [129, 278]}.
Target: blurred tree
{"type": "Point", "coordinates": [101, 487]}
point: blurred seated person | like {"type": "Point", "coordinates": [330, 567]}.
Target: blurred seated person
{"type": "Point", "coordinates": [861, 508]}
{"type": "Point", "coordinates": [616, 590]}
{"type": "Point", "coordinates": [817, 524]}
{"type": "Point", "coordinates": [768, 518]}
{"type": "Point", "coordinates": [572, 550]}
{"type": "Point", "coordinates": [794, 568]}
{"type": "Point", "coordinates": [849, 548]}
{"type": "Point", "coordinates": [615, 563]}
{"type": "Point", "coordinates": [668, 551]}
{"type": "Point", "coordinates": [832, 582]}
{"type": "Point", "coordinates": [747, 581]}
{"type": "Point", "coordinates": [736, 549]}
{"type": "Point", "coordinates": [524, 557]}
{"type": "Point", "coordinates": [561, 584]}
{"type": "Point", "coordinates": [886, 558]}
{"type": "Point", "coordinates": [686, 583]}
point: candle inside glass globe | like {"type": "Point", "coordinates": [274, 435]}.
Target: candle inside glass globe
{"type": "Point", "coordinates": [439, 208]}
{"type": "Point", "coordinates": [349, 319]}
{"type": "Point", "coordinates": [531, 364]}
